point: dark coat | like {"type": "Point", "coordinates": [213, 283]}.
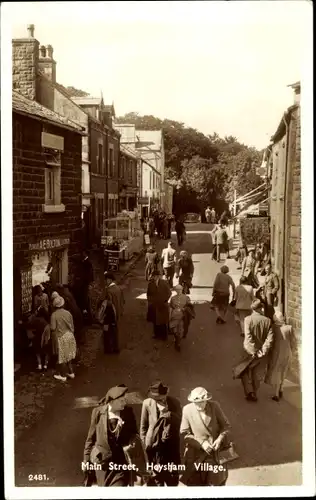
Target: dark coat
{"type": "Point", "coordinates": [97, 447]}
{"type": "Point", "coordinates": [114, 293]}
{"type": "Point", "coordinates": [86, 273]}
{"type": "Point", "coordinates": [158, 294]}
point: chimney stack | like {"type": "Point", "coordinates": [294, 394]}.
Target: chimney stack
{"type": "Point", "coordinates": [25, 54]}
{"type": "Point", "coordinates": [49, 51]}
{"type": "Point", "coordinates": [42, 51]}
{"type": "Point", "coordinates": [30, 29]}
{"type": "Point", "coordinates": [46, 62]}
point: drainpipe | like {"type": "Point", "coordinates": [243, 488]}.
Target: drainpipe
{"type": "Point", "coordinates": [284, 292]}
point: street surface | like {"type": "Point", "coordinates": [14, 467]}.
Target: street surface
{"type": "Point", "coordinates": [267, 435]}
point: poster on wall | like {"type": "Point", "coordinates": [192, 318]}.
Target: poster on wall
{"type": "Point", "coordinates": [26, 286]}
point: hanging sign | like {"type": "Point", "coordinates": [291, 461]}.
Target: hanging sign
{"type": "Point", "coordinates": [49, 244]}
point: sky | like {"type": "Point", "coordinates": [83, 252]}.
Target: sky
{"type": "Point", "coordinates": [216, 66]}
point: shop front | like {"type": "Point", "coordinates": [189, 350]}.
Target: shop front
{"type": "Point", "coordinates": [46, 261]}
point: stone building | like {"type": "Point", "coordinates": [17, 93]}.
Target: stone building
{"type": "Point", "coordinates": [284, 170]}
{"type": "Point", "coordinates": [34, 75]}
{"type": "Point", "coordinates": [46, 196]}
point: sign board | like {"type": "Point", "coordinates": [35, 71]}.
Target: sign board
{"type": "Point", "coordinates": [52, 141]}
{"type": "Point", "coordinates": [26, 289]}
{"type": "Point", "coordinates": [106, 240]}
{"type": "Point", "coordinates": [147, 239]}
{"type": "Point", "coordinates": [144, 200]}
{"type": "Point", "coordinates": [49, 244]}
{"type": "Point", "coordinates": [113, 262]}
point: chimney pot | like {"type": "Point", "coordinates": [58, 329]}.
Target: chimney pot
{"type": "Point", "coordinates": [49, 51]}
{"type": "Point", "coordinates": [30, 29]}
{"type": "Point", "coordinates": [42, 51]}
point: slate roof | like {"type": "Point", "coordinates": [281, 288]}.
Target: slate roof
{"type": "Point", "coordinates": [93, 101]}
{"type": "Point", "coordinates": [21, 104]}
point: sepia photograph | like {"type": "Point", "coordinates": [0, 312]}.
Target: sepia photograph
{"type": "Point", "coordinates": [157, 242]}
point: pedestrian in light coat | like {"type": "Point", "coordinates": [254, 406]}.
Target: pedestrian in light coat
{"type": "Point", "coordinates": [244, 297]}
{"type": "Point", "coordinates": [257, 344]}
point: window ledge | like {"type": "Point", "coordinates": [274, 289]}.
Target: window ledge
{"type": "Point", "coordinates": [53, 209]}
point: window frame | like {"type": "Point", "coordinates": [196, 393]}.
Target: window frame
{"type": "Point", "coordinates": [53, 164]}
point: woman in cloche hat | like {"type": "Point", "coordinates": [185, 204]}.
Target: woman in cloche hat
{"type": "Point", "coordinates": [205, 428]}
{"type": "Point", "coordinates": [62, 330]}
{"type": "Point", "coordinates": [113, 431]}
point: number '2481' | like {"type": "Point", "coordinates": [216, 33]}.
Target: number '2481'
{"type": "Point", "coordinates": [37, 477]}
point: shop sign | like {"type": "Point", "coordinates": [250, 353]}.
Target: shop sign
{"type": "Point", "coordinates": [49, 244]}
{"type": "Point", "coordinates": [52, 141]}
{"type": "Point", "coordinates": [26, 289]}
{"type": "Point", "coordinates": [143, 200]}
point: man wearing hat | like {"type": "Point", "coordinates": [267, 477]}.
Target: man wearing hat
{"type": "Point", "coordinates": [159, 432]}
{"type": "Point", "coordinates": [114, 295]}
{"type": "Point", "coordinates": [257, 343]}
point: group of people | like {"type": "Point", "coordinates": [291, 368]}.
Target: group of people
{"type": "Point", "coordinates": [175, 316]}
{"type": "Point", "coordinates": [210, 215]}
{"type": "Point", "coordinates": [220, 239]}
{"type": "Point", "coordinates": [118, 452]}
{"type": "Point", "coordinates": [54, 327]}
{"type": "Point", "coordinates": [158, 222]}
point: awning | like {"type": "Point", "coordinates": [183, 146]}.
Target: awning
{"type": "Point", "coordinates": [260, 198]}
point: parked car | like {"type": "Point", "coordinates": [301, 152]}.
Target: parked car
{"type": "Point", "coordinates": [192, 217]}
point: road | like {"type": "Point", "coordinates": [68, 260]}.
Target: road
{"type": "Point", "coordinates": [267, 434]}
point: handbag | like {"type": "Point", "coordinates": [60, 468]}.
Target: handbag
{"type": "Point", "coordinates": [227, 454]}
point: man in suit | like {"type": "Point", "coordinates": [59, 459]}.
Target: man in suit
{"type": "Point", "coordinates": [257, 343]}
{"type": "Point", "coordinates": [114, 294]}
{"type": "Point", "coordinates": [160, 433]}
{"type": "Point", "coordinates": [158, 294]}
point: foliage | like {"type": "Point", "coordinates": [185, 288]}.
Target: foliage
{"type": "Point", "coordinates": [208, 169]}
{"type": "Point", "coordinates": [73, 92]}
{"type": "Point", "coordinates": [255, 230]}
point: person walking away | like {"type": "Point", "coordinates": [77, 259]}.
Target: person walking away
{"type": "Point", "coordinates": [206, 431]}
{"type": "Point", "coordinates": [169, 260]}
{"type": "Point", "coordinates": [40, 299]}
{"type": "Point", "coordinates": [214, 242]}
{"type": "Point", "coordinates": [165, 228]}
{"type": "Point", "coordinates": [72, 307]}
{"type": "Point", "coordinates": [271, 288]}
{"type": "Point", "coordinates": [257, 344]}
{"type": "Point", "coordinates": [152, 261]}
{"type": "Point", "coordinates": [258, 258]}
{"type": "Point", "coordinates": [213, 216]}
{"type": "Point", "coordinates": [280, 355]}
{"type": "Point", "coordinates": [221, 237]}
{"type": "Point", "coordinates": [180, 230]}
{"type": "Point", "coordinates": [158, 294]}
{"type": "Point", "coordinates": [224, 218]}
{"type": "Point", "coordinates": [208, 215]}
{"type": "Point", "coordinates": [151, 227]}
{"type": "Point", "coordinates": [114, 294]}
{"type": "Point", "coordinates": [241, 254]}
{"type": "Point", "coordinates": [221, 292]}
{"type": "Point", "coordinates": [178, 304]}
{"type": "Point", "coordinates": [170, 220]}
{"type": "Point", "coordinates": [86, 278]}
{"type": "Point", "coordinates": [160, 433]}
{"type": "Point", "coordinates": [112, 433]}
{"type": "Point", "coordinates": [185, 271]}
{"type": "Point", "coordinates": [38, 326]}
{"type": "Point", "coordinates": [107, 319]}
{"type": "Point", "coordinates": [226, 242]}
{"type": "Point", "coordinates": [248, 269]}
{"type": "Point", "coordinates": [244, 297]}
{"type": "Point", "coordinates": [62, 330]}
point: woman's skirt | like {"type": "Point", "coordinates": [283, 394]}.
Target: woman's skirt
{"type": "Point", "coordinates": [220, 299]}
{"type": "Point", "coordinates": [67, 348]}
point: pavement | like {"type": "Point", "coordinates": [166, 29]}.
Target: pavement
{"type": "Point", "coordinates": [267, 435]}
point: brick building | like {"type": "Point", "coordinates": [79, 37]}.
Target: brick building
{"type": "Point", "coordinates": [285, 212]}
{"type": "Point", "coordinates": [34, 75]}
{"type": "Point", "coordinates": [46, 196]}
{"type": "Point", "coordinates": [128, 184]}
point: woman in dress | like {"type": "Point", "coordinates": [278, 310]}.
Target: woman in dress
{"type": "Point", "coordinates": [205, 429]}
{"type": "Point", "coordinates": [62, 328]}
{"type": "Point", "coordinates": [281, 355]}
{"type": "Point", "coordinates": [244, 297]}
{"type": "Point", "coordinates": [73, 308]}
{"type": "Point", "coordinates": [179, 304]}
{"type": "Point", "coordinates": [221, 292]}
{"type": "Point", "coordinates": [152, 262]}
{"type": "Point", "coordinates": [185, 268]}
{"type": "Point", "coordinates": [113, 431]}
{"type": "Point", "coordinates": [248, 269]}
{"type": "Point", "coordinates": [38, 325]}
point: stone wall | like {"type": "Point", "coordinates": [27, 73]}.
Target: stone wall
{"type": "Point", "coordinates": [293, 200]}
{"type": "Point", "coordinates": [25, 55]}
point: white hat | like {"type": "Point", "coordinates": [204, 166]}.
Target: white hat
{"type": "Point", "coordinates": [278, 318]}
{"type": "Point", "coordinates": [58, 302]}
{"type": "Point", "coordinates": [198, 395]}
{"type": "Point", "coordinates": [55, 295]}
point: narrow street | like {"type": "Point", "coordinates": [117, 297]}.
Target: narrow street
{"type": "Point", "coordinates": [267, 434]}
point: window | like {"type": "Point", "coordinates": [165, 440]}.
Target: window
{"type": "Point", "coordinates": [130, 172]}
{"type": "Point", "coordinates": [111, 166]}
{"type": "Point", "coordinates": [52, 180]}
{"type": "Point", "coordinates": [100, 159]}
